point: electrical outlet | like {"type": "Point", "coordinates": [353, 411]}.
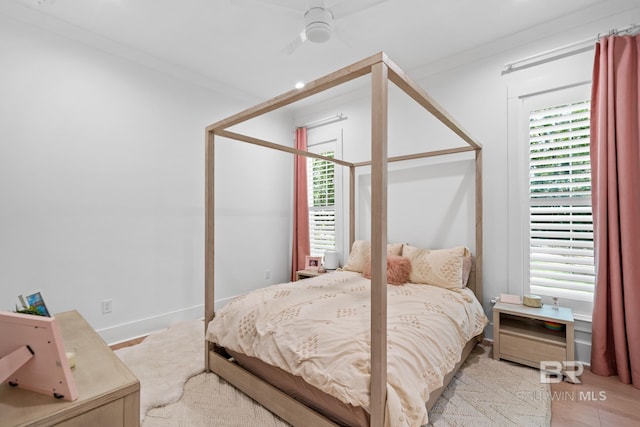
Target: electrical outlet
{"type": "Point", "coordinates": [267, 274]}
{"type": "Point", "coordinates": [107, 306]}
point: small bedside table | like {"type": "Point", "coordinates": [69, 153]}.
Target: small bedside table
{"type": "Point", "coordinates": [519, 334]}
{"type": "Point", "coordinates": [305, 274]}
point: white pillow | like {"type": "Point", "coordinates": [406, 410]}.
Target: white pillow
{"type": "Point", "coordinates": [438, 267]}
{"type": "Point", "coordinates": [361, 253]}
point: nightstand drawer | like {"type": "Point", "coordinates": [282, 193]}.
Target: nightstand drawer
{"type": "Point", "coordinates": [532, 350]}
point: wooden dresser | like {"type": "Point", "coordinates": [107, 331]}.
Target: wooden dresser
{"type": "Point", "coordinates": [108, 393]}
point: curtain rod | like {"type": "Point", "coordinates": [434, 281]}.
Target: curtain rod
{"type": "Point", "coordinates": [564, 51]}
{"type": "Point", "coordinates": [322, 122]}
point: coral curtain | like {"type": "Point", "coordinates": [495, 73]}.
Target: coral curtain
{"type": "Point", "coordinates": [615, 163]}
{"type": "Point", "coordinates": [301, 247]}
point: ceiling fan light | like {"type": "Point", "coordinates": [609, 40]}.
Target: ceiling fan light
{"type": "Point", "coordinates": [318, 32]}
{"type": "Point", "coordinates": [318, 24]}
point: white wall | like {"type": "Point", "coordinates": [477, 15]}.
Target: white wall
{"type": "Point", "coordinates": [431, 201]}
{"type": "Point", "coordinates": [102, 187]}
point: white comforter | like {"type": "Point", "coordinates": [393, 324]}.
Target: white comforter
{"type": "Point", "coordinates": [319, 329]}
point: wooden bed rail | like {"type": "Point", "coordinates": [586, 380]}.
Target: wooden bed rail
{"type": "Point", "coordinates": [421, 155]}
{"type": "Point", "coordinates": [336, 78]}
{"type": "Point", "coordinates": [272, 145]}
{"type": "Point", "coordinates": [256, 388]}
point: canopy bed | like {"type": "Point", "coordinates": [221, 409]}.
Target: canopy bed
{"type": "Point", "coordinates": [267, 386]}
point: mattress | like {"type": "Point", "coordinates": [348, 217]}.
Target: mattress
{"type": "Point", "coordinates": [318, 330]}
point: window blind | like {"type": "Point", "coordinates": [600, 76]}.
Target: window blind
{"type": "Point", "coordinates": [561, 224]}
{"type": "Point", "coordinates": [322, 212]}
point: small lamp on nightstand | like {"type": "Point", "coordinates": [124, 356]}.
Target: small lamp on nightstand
{"type": "Point", "coordinates": [331, 259]}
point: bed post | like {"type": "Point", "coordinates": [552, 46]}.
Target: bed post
{"type": "Point", "coordinates": [478, 288]}
{"type": "Point", "coordinates": [209, 218]}
{"type": "Point", "coordinates": [352, 206]}
{"type": "Point", "coordinates": [379, 109]}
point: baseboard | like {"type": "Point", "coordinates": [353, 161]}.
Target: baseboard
{"type": "Point", "coordinates": [143, 327]}
{"type": "Point", "coordinates": [583, 352]}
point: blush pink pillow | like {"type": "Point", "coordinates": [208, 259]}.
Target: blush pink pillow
{"type": "Point", "coordinates": [398, 270]}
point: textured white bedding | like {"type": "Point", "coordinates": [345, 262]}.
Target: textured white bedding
{"type": "Point", "coordinates": [319, 329]}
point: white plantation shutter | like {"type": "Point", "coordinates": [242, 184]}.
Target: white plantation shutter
{"type": "Point", "coordinates": [560, 221]}
{"type": "Point", "coordinates": [322, 212]}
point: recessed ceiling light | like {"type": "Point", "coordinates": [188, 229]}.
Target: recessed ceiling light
{"type": "Point", "coordinates": [299, 85]}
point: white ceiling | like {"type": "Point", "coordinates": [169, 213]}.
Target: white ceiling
{"type": "Point", "coordinates": [239, 43]}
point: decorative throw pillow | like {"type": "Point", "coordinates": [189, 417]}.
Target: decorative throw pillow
{"type": "Point", "coordinates": [361, 252]}
{"type": "Point", "coordinates": [395, 249]}
{"type": "Point", "coordinates": [440, 267]}
{"type": "Point", "coordinates": [398, 270]}
{"type": "Point", "coordinates": [467, 263]}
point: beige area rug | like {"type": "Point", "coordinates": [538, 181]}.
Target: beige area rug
{"type": "Point", "coordinates": [164, 361]}
{"type": "Point", "coordinates": [483, 393]}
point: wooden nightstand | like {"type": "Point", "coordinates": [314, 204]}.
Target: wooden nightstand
{"type": "Point", "coordinates": [519, 334]}
{"type": "Point", "coordinates": [108, 393]}
{"type": "Point", "coordinates": [305, 274]}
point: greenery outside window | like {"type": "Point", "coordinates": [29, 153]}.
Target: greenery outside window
{"type": "Point", "coordinates": [322, 206]}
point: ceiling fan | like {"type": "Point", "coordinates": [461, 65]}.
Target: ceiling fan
{"type": "Point", "coordinates": [319, 20]}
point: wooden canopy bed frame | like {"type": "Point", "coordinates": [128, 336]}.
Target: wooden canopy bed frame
{"type": "Point", "coordinates": [382, 71]}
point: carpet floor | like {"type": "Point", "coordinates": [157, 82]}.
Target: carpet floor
{"type": "Point", "coordinates": [176, 392]}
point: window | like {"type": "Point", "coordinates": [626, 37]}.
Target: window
{"type": "Point", "coordinates": [561, 259]}
{"type": "Point", "coordinates": [321, 184]}
{"type": "Point", "coordinates": [549, 229]}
